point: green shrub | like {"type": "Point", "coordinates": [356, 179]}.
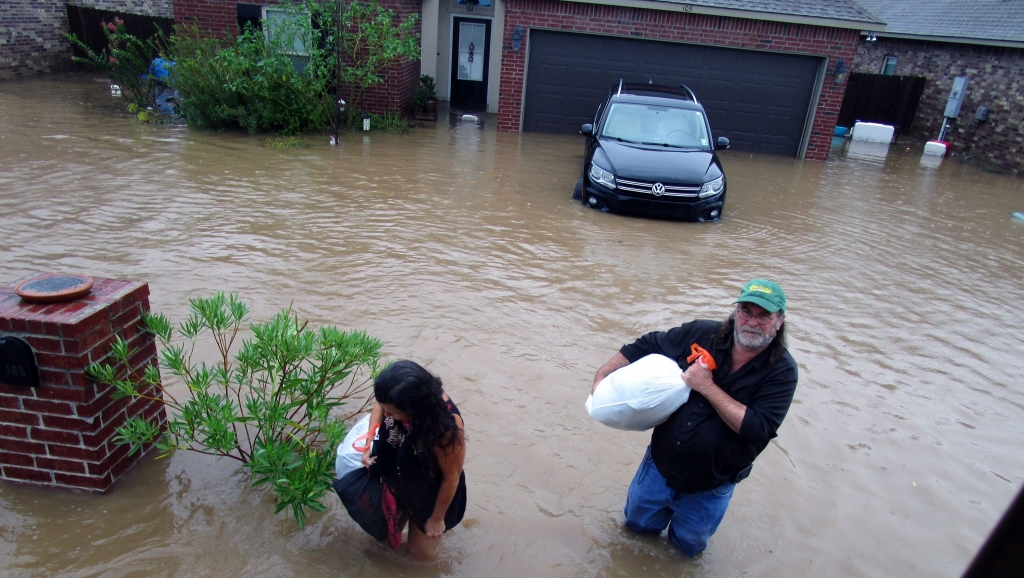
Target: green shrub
{"type": "Point", "coordinates": [275, 407]}
{"type": "Point", "coordinates": [250, 83]}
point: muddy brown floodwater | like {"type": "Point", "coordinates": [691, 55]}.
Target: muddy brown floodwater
{"type": "Point", "coordinates": [460, 248]}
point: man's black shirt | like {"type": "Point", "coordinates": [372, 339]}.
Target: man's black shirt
{"type": "Point", "coordinates": [694, 449]}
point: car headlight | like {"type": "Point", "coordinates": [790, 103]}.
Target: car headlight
{"type": "Point", "coordinates": [601, 176]}
{"type": "Point", "coordinates": [712, 188]}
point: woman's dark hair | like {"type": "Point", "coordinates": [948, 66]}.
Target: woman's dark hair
{"type": "Point", "coordinates": [775, 349]}
{"type": "Point", "coordinates": [417, 393]}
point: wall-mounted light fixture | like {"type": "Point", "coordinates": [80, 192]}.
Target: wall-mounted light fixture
{"type": "Point", "coordinates": [517, 38]}
{"type": "Point", "coordinates": [839, 74]}
{"type": "Point", "coordinates": [871, 37]}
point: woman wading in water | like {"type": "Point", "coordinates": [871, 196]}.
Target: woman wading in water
{"type": "Point", "coordinates": [419, 452]}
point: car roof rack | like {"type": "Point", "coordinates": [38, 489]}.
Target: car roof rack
{"type": "Point", "coordinates": [683, 90]}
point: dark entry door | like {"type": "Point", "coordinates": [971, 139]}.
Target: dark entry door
{"type": "Point", "coordinates": [760, 100]}
{"type": "Point", "coordinates": [471, 39]}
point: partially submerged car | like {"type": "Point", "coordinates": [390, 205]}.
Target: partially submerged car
{"type": "Point", "coordinates": [650, 153]}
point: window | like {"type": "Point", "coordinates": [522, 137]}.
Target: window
{"type": "Point", "coordinates": [889, 66]}
{"type": "Point", "coordinates": [289, 28]}
{"type": "Point", "coordinates": [652, 124]}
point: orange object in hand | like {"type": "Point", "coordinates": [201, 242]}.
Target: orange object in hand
{"type": "Point", "coordinates": [698, 352]}
{"type": "Point", "coordinates": [367, 437]}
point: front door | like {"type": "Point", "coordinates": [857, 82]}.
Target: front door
{"type": "Point", "coordinates": [471, 40]}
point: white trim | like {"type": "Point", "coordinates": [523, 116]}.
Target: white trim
{"type": "Point", "coordinates": [812, 108]}
{"type": "Point", "coordinates": [945, 39]}
{"type": "Point", "coordinates": [451, 49]}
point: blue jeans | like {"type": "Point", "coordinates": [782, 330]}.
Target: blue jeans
{"type": "Point", "coordinates": [691, 518]}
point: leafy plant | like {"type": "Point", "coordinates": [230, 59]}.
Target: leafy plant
{"type": "Point", "coordinates": [252, 83]}
{"type": "Point", "coordinates": [285, 142]}
{"type": "Point", "coordinates": [125, 60]}
{"type": "Point", "coordinates": [387, 122]}
{"type": "Point", "coordinates": [144, 115]}
{"type": "Point", "coordinates": [424, 92]}
{"type": "Point", "coordinates": [373, 39]}
{"type": "Point", "coordinates": [275, 406]}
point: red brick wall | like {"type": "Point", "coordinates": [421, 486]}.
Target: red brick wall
{"type": "Point", "coordinates": [61, 433]}
{"type": "Point", "coordinates": [219, 16]}
{"type": "Point", "coordinates": [997, 82]}
{"type": "Point", "coordinates": [677, 26]}
{"type": "Point", "coordinates": [401, 79]}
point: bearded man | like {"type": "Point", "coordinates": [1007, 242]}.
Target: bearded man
{"type": "Point", "coordinates": [708, 445]}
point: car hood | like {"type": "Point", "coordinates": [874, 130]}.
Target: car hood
{"type": "Point", "coordinates": [656, 163]}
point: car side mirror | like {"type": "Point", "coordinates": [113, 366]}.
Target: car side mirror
{"type": "Point", "coordinates": [723, 143]}
{"type": "Point", "coordinates": [587, 129]}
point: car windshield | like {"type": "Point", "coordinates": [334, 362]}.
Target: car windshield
{"type": "Point", "coordinates": [656, 125]}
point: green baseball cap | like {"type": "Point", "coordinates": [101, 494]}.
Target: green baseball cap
{"type": "Point", "coordinates": [765, 293]}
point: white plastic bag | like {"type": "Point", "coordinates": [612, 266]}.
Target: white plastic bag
{"type": "Point", "coordinates": [348, 458]}
{"type": "Point", "coordinates": [640, 395]}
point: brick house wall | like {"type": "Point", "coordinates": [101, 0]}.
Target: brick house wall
{"type": "Point", "coordinates": [393, 95]}
{"type": "Point", "coordinates": [32, 32]}
{"type": "Point", "coordinates": [997, 82]}
{"type": "Point", "coordinates": [723, 31]}
{"type": "Point", "coordinates": [402, 79]}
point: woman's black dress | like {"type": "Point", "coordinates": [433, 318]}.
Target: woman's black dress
{"type": "Point", "coordinates": [412, 473]}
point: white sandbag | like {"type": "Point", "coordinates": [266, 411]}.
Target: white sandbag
{"type": "Point", "coordinates": [348, 458]}
{"type": "Point", "coordinates": [640, 395]}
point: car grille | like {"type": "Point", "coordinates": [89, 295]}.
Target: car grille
{"type": "Point", "coordinates": [645, 188]}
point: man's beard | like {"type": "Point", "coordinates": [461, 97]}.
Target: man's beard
{"type": "Point", "coordinates": [753, 337]}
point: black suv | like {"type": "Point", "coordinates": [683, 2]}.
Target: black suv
{"type": "Point", "coordinates": [650, 153]}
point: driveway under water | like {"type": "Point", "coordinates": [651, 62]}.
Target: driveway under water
{"type": "Point", "coordinates": [460, 248]}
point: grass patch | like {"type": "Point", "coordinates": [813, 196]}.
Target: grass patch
{"type": "Point", "coordinates": [285, 142]}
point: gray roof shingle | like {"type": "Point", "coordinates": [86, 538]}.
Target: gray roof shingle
{"type": "Point", "coordinates": [986, 20]}
{"type": "Point", "coordinates": [837, 10]}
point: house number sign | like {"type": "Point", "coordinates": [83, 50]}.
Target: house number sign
{"type": "Point", "coordinates": [17, 363]}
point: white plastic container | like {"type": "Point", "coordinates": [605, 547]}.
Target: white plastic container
{"type": "Point", "coordinates": [873, 132]}
{"type": "Point", "coordinates": [934, 147]}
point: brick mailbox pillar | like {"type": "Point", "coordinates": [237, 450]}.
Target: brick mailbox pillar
{"type": "Point", "coordinates": [61, 432]}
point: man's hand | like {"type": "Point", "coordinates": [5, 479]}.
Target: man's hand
{"type": "Point", "coordinates": [698, 377]}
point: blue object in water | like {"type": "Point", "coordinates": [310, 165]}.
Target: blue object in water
{"type": "Point", "coordinates": [160, 69]}
{"type": "Point", "coordinates": [1018, 216]}
{"type": "Point", "coordinates": [840, 131]}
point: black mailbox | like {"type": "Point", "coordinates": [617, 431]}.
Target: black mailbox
{"type": "Point", "coordinates": [17, 363]}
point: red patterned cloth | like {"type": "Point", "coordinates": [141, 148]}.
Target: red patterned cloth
{"type": "Point", "coordinates": [390, 506]}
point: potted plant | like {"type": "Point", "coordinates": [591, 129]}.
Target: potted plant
{"type": "Point", "coordinates": [425, 98]}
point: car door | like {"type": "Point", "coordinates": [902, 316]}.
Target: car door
{"type": "Point", "coordinates": [591, 141]}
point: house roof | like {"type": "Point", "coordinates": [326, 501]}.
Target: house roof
{"type": "Point", "coordinates": [835, 13]}
{"type": "Point", "coordinates": [995, 22]}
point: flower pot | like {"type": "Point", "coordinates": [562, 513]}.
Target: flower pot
{"type": "Point", "coordinates": [430, 105]}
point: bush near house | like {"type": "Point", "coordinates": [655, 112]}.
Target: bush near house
{"type": "Point", "coordinates": [281, 79]}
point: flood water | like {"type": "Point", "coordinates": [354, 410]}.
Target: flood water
{"type": "Point", "coordinates": [460, 248]}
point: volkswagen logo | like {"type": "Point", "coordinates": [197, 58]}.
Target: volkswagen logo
{"type": "Point", "coordinates": [658, 189]}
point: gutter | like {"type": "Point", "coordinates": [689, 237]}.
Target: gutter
{"type": "Point", "coordinates": [673, 6]}
{"type": "Point", "coordinates": [946, 39]}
